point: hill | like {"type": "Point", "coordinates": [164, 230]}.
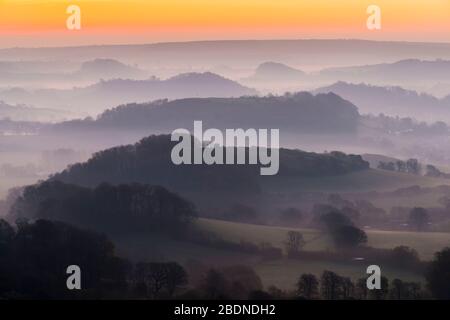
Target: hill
{"type": "Point", "coordinates": [301, 113]}
{"type": "Point", "coordinates": [403, 71]}
{"type": "Point", "coordinates": [357, 181]}
{"type": "Point", "coordinates": [149, 162]}
{"type": "Point", "coordinates": [394, 101]}
{"type": "Point", "coordinates": [94, 99]}
{"type": "Point", "coordinates": [64, 74]}
{"type": "Point", "coordinates": [242, 52]}
{"type": "Point", "coordinates": [25, 113]}
{"type": "Point", "coordinates": [273, 71]}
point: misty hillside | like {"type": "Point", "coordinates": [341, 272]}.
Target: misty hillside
{"type": "Point", "coordinates": [109, 68]}
{"type": "Point", "coordinates": [96, 98]}
{"type": "Point", "coordinates": [149, 162]}
{"type": "Point", "coordinates": [25, 113]}
{"type": "Point", "coordinates": [64, 74]}
{"type": "Point", "coordinates": [272, 71]}
{"type": "Point", "coordinates": [242, 52]}
{"type": "Point", "coordinates": [409, 70]}
{"type": "Point", "coordinates": [300, 112]}
{"type": "Point", "coordinates": [394, 101]}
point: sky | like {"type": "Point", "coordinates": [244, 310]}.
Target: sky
{"type": "Point", "coordinates": [33, 23]}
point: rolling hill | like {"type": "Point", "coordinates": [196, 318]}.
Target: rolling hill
{"type": "Point", "coordinates": [94, 99]}
{"type": "Point", "coordinates": [394, 101]}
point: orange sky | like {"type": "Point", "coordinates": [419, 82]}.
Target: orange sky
{"type": "Point", "coordinates": [42, 22]}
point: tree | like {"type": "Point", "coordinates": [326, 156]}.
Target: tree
{"type": "Point", "coordinates": [152, 277]}
{"type": "Point", "coordinates": [403, 256]}
{"type": "Point", "coordinates": [348, 288]}
{"type": "Point", "coordinates": [308, 286]}
{"type": "Point", "coordinates": [215, 285]}
{"type": "Point", "coordinates": [349, 237]}
{"type": "Point", "coordinates": [361, 289]}
{"type": "Point", "coordinates": [398, 289]}
{"type": "Point", "coordinates": [438, 275]}
{"type": "Point", "coordinates": [34, 262]}
{"type": "Point", "coordinates": [176, 277]}
{"type": "Point", "coordinates": [418, 218]}
{"type": "Point", "coordinates": [386, 166]}
{"type": "Point", "coordinates": [401, 290]}
{"type": "Point", "coordinates": [413, 166]}
{"type": "Point", "coordinates": [330, 285]}
{"type": "Point", "coordinates": [242, 281]}
{"type": "Point", "coordinates": [334, 220]}
{"type": "Point", "coordinates": [294, 242]}
{"type": "Point", "coordinates": [7, 234]}
{"type": "Point", "coordinates": [382, 293]}
{"type": "Point", "coordinates": [158, 278]}
{"type": "Point", "coordinates": [401, 166]}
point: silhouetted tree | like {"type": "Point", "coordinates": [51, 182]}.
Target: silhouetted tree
{"type": "Point", "coordinates": [349, 236]}
{"type": "Point", "coordinates": [330, 285]}
{"type": "Point", "coordinates": [382, 293]}
{"type": "Point", "coordinates": [348, 288]}
{"type": "Point", "coordinates": [176, 277]}
{"type": "Point", "coordinates": [361, 289]}
{"type": "Point", "coordinates": [37, 255]}
{"type": "Point", "coordinates": [294, 242]}
{"type": "Point", "coordinates": [242, 280]}
{"type": "Point", "coordinates": [413, 166]}
{"type": "Point", "coordinates": [418, 218]}
{"type": "Point", "coordinates": [403, 256]}
{"type": "Point", "coordinates": [398, 289]}
{"type": "Point", "coordinates": [438, 275]}
{"type": "Point", "coordinates": [334, 220]}
{"type": "Point", "coordinates": [308, 286]}
{"type": "Point", "coordinates": [215, 285]}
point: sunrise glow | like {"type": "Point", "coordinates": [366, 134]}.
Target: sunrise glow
{"type": "Point", "coordinates": [39, 22]}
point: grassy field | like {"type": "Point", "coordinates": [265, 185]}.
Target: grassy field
{"type": "Point", "coordinates": [426, 243]}
{"type": "Point", "coordinates": [283, 272]}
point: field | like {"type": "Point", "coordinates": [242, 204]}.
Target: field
{"type": "Point", "coordinates": [284, 272]}
{"type": "Point", "coordinates": [426, 243]}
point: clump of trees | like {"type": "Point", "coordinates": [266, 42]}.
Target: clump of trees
{"type": "Point", "coordinates": [332, 286]}
{"type": "Point", "coordinates": [438, 275]}
{"type": "Point", "coordinates": [294, 243]}
{"type": "Point", "coordinates": [122, 208]}
{"type": "Point", "coordinates": [341, 228]}
{"type": "Point", "coordinates": [34, 258]}
{"type": "Point", "coordinates": [411, 166]}
{"type": "Point", "coordinates": [158, 279]}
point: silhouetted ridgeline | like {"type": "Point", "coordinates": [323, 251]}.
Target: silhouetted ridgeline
{"type": "Point", "coordinates": [300, 112]}
{"type": "Point", "coordinates": [399, 71]}
{"type": "Point", "coordinates": [392, 100]}
{"type": "Point", "coordinates": [273, 71]}
{"type": "Point", "coordinates": [96, 98]}
{"type": "Point", "coordinates": [148, 161]}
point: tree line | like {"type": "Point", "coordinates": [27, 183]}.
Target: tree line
{"type": "Point", "coordinates": [34, 257]}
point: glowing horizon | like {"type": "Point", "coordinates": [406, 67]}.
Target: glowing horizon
{"type": "Point", "coordinates": [42, 23]}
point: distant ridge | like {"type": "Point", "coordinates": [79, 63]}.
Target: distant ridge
{"type": "Point", "coordinates": [246, 52]}
{"type": "Point", "coordinates": [392, 100]}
